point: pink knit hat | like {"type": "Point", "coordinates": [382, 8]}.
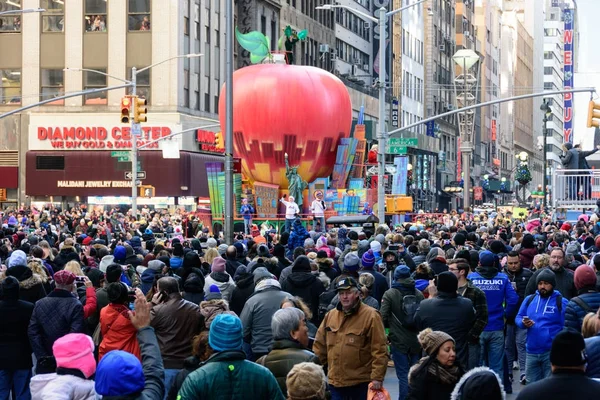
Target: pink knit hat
{"type": "Point", "coordinates": [218, 264]}
{"type": "Point", "coordinates": [75, 351]}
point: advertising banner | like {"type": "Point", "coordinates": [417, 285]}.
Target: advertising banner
{"type": "Point", "coordinates": [568, 58]}
{"type": "Point", "coordinates": [267, 198]}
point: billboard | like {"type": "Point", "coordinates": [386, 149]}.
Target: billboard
{"type": "Point", "coordinates": [569, 60]}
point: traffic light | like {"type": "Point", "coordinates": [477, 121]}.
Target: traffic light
{"type": "Point", "coordinates": [219, 144]}
{"type": "Point", "coordinates": [139, 110]}
{"type": "Point", "coordinates": [125, 109]}
{"type": "Point", "coordinates": [593, 115]}
{"type": "Point", "coordinates": [146, 191]}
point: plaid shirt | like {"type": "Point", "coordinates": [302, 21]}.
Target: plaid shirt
{"type": "Point", "coordinates": [479, 301]}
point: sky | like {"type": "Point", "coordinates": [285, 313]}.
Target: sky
{"type": "Point", "coordinates": [588, 73]}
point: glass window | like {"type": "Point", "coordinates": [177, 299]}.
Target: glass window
{"type": "Point", "coordinates": [10, 88]}
{"type": "Point", "coordinates": [10, 22]}
{"type": "Point", "coordinates": [139, 15]}
{"type": "Point", "coordinates": [142, 83]}
{"type": "Point", "coordinates": [95, 16]}
{"type": "Point", "coordinates": [52, 85]}
{"type": "Point", "coordinates": [53, 19]}
{"type": "Point", "coordinates": [93, 80]}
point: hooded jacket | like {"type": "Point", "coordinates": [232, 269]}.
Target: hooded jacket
{"type": "Point", "coordinates": [548, 321]}
{"type": "Point", "coordinates": [402, 338]}
{"type": "Point", "coordinates": [31, 285]}
{"type": "Point", "coordinates": [193, 287]}
{"type": "Point", "coordinates": [241, 292]}
{"type": "Point", "coordinates": [478, 383]}
{"type": "Point", "coordinates": [15, 314]}
{"type": "Point", "coordinates": [297, 237]}
{"type": "Point", "coordinates": [211, 308]}
{"type": "Point", "coordinates": [304, 284]}
{"type": "Point", "coordinates": [62, 387]}
{"type": "Point", "coordinates": [147, 278]}
{"type": "Point", "coordinates": [223, 281]}
{"type": "Point", "coordinates": [118, 333]}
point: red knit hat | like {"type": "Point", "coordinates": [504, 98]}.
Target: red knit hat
{"type": "Point", "coordinates": [584, 277]}
{"type": "Point", "coordinates": [565, 227]}
{"type": "Point", "coordinates": [87, 241]}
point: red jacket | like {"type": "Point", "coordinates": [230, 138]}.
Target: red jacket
{"type": "Point", "coordinates": [117, 331]}
{"type": "Point", "coordinates": [91, 302]}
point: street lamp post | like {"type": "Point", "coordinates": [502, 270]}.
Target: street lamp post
{"type": "Point", "coordinates": [134, 148]}
{"type": "Point", "coordinates": [228, 217]}
{"type": "Point", "coordinates": [382, 136]}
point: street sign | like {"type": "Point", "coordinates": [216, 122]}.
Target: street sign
{"type": "Point", "coordinates": [395, 150]}
{"type": "Point", "coordinates": [140, 175]}
{"type": "Point", "coordinates": [126, 158]}
{"type": "Point", "coordinates": [120, 153]}
{"type": "Point", "coordinates": [136, 129]}
{"type": "Point", "coordinates": [412, 142]}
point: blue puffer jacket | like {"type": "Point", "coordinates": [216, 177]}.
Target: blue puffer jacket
{"type": "Point", "coordinates": [548, 321]}
{"type": "Point", "coordinates": [575, 313]}
{"type": "Point", "coordinates": [592, 348]}
{"type": "Point", "coordinates": [298, 235]}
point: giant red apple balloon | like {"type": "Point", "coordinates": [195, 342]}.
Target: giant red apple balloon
{"type": "Point", "coordinates": [277, 109]}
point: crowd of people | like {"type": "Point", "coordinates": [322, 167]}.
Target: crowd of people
{"type": "Point", "coordinates": [99, 304]}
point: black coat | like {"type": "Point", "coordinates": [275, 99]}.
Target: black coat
{"type": "Point", "coordinates": [562, 385]}
{"type": "Point", "coordinates": [308, 287]}
{"type": "Point", "coordinates": [31, 287]}
{"type": "Point", "coordinates": [521, 278]}
{"type": "Point", "coordinates": [15, 350]}
{"type": "Point", "coordinates": [425, 386]}
{"type": "Point", "coordinates": [64, 256]}
{"type": "Point", "coordinates": [242, 291]}
{"type": "Point", "coordinates": [449, 313]}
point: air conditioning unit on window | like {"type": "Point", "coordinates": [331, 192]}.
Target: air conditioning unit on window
{"type": "Point", "coordinates": [367, 25]}
{"type": "Point", "coordinates": [323, 48]}
{"type": "Point", "coordinates": [442, 47]}
{"type": "Point", "coordinates": [365, 67]}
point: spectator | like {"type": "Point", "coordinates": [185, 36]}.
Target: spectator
{"type": "Point", "coordinates": [501, 300]}
{"type": "Point", "coordinates": [31, 285]}
{"type": "Point", "coordinates": [565, 282]}
{"type": "Point", "coordinates": [121, 375]}
{"type": "Point", "coordinates": [175, 321]}
{"type": "Point", "coordinates": [587, 299]}
{"type": "Point", "coordinates": [118, 333]}
{"type": "Point", "coordinates": [258, 312]}
{"type": "Point", "coordinates": [75, 366]}
{"type": "Point", "coordinates": [304, 284]}
{"type": "Point", "coordinates": [15, 350]}
{"type": "Point", "coordinates": [568, 380]}
{"type": "Point", "coordinates": [297, 302]}
{"type": "Point", "coordinates": [591, 333]}
{"type": "Point", "coordinates": [351, 341]}
{"type": "Point", "coordinates": [479, 383]}
{"type": "Point", "coordinates": [436, 259]}
{"type": "Point", "coordinates": [227, 372]}
{"type": "Point", "coordinates": [543, 315]}
{"type": "Point", "coordinates": [201, 351]}
{"type": "Point", "coordinates": [448, 312]}
{"type": "Point", "coordinates": [53, 317]}
{"type": "Point", "coordinates": [436, 374]}
{"type": "Point", "coordinates": [368, 267]}
{"type": "Point", "coordinates": [213, 306]}
{"type": "Point", "coordinates": [306, 380]}
{"type": "Point", "coordinates": [220, 278]}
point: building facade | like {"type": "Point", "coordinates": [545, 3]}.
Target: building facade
{"type": "Point", "coordinates": [64, 149]}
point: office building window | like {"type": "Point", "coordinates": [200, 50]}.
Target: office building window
{"type": "Point", "coordinates": [92, 80]}
{"type": "Point", "coordinates": [139, 15]}
{"type": "Point", "coordinates": [10, 23]}
{"type": "Point", "coordinates": [53, 19]}
{"type": "Point", "coordinates": [142, 83]}
{"type": "Point", "coordinates": [207, 102]}
{"type": "Point", "coordinates": [95, 16]}
{"type": "Point", "coordinates": [52, 82]}
{"type": "Point", "coordinates": [206, 59]}
{"type": "Point", "coordinates": [10, 87]}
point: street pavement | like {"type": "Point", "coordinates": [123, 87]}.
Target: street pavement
{"type": "Point", "coordinates": [391, 384]}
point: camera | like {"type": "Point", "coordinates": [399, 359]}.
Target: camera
{"type": "Point", "coordinates": [80, 279]}
{"type": "Point", "coordinates": [131, 295]}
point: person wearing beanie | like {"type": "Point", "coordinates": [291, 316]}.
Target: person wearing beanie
{"type": "Point", "coordinates": [587, 299]}
{"type": "Point", "coordinates": [479, 383]}
{"type": "Point", "coordinates": [402, 335]}
{"type": "Point", "coordinates": [304, 284]}
{"type": "Point", "coordinates": [502, 300]}
{"type": "Point", "coordinates": [297, 236]}
{"type": "Point", "coordinates": [375, 246]}
{"type": "Point", "coordinates": [460, 268]}
{"type": "Point", "coordinates": [369, 267]}
{"type": "Point", "coordinates": [121, 375]}
{"type": "Point", "coordinates": [213, 305]}
{"type": "Point", "coordinates": [325, 264]}
{"type": "Point", "coordinates": [31, 284]}
{"type": "Point", "coordinates": [220, 278]}
{"type": "Point", "coordinates": [306, 380]}
{"type": "Point", "coordinates": [15, 350]}
{"type": "Point", "coordinates": [60, 305]}
{"type": "Point", "coordinates": [117, 331]}
{"type": "Point", "coordinates": [351, 341]}
{"type": "Point", "coordinates": [192, 276]}
{"type": "Point", "coordinates": [175, 321]}
{"type": "Point", "coordinates": [436, 258]}
{"type": "Point", "coordinates": [75, 367]}
{"type": "Point", "coordinates": [259, 309]}
{"type": "Point", "coordinates": [227, 372]}
{"type": "Point", "coordinates": [565, 280]}
{"type": "Point", "coordinates": [568, 380]}
{"type": "Point", "coordinates": [436, 374]}
{"type": "Point", "coordinates": [448, 312]}
{"type": "Point", "coordinates": [543, 315]}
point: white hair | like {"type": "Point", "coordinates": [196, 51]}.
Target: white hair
{"type": "Point", "coordinates": [286, 320]}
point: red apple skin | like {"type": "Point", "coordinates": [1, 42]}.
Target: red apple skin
{"type": "Point", "coordinates": [299, 110]}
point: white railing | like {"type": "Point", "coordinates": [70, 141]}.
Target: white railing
{"type": "Point", "coordinates": [575, 188]}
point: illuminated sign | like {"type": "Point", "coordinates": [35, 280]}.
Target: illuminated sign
{"type": "Point", "coordinates": [209, 141]}
{"type": "Point", "coordinates": [93, 184]}
{"type": "Point", "coordinates": [568, 59]}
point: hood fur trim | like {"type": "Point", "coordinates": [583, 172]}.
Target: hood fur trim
{"type": "Point", "coordinates": [474, 371]}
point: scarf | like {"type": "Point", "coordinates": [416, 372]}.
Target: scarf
{"type": "Point", "coordinates": [265, 284]}
{"type": "Point", "coordinates": [446, 375]}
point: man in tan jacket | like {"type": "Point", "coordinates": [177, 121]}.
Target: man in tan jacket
{"type": "Point", "coordinates": [351, 341]}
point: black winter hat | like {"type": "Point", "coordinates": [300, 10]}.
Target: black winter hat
{"type": "Point", "coordinates": [117, 293]}
{"type": "Point", "coordinates": [447, 282]}
{"type": "Point", "coordinates": [546, 275]}
{"type": "Point", "coordinates": [568, 349]}
{"type": "Point", "coordinates": [10, 288]}
{"type": "Point", "coordinates": [528, 241]}
{"type": "Point", "coordinates": [353, 235]}
{"type": "Point", "coordinates": [497, 247]}
{"type": "Point", "coordinates": [301, 264]}
{"type": "Point", "coordinates": [479, 383]}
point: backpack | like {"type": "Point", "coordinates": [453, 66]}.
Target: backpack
{"type": "Point", "coordinates": [585, 306]}
{"type": "Point", "coordinates": [558, 301]}
{"type": "Point", "coordinates": [410, 304]}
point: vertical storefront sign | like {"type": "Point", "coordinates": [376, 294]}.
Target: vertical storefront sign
{"type": "Point", "coordinates": [568, 59]}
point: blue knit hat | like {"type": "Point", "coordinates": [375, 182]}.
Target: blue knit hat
{"type": "Point", "coordinates": [487, 259]}
{"type": "Point", "coordinates": [226, 333]}
{"type": "Point", "coordinates": [368, 259]}
{"type": "Point", "coordinates": [119, 374]}
{"type": "Point", "coordinates": [120, 253]}
{"type": "Point", "coordinates": [214, 293]}
{"type": "Point", "coordinates": [351, 262]}
{"type": "Point", "coordinates": [401, 272]}
{"type": "Point", "coordinates": [18, 257]}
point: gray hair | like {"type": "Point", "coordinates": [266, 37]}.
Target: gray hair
{"type": "Point", "coordinates": [285, 321]}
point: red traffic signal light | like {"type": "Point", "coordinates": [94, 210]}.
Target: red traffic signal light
{"type": "Point", "coordinates": [125, 110]}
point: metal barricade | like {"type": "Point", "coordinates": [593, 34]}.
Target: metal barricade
{"type": "Point", "coordinates": [575, 188]}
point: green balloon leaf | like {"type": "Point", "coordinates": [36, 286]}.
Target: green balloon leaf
{"type": "Point", "coordinates": [281, 43]}
{"type": "Point", "coordinates": [254, 42]}
{"type": "Point", "coordinates": [302, 34]}
{"type": "Point", "coordinates": [256, 59]}
{"type": "Point", "coordinates": [288, 31]}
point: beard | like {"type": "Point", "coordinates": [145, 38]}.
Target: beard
{"type": "Point", "coordinates": [545, 293]}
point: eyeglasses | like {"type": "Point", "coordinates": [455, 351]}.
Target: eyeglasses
{"type": "Point", "coordinates": [453, 269]}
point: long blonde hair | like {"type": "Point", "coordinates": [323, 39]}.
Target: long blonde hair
{"type": "Point", "coordinates": [591, 325]}
{"type": "Point", "coordinates": [74, 267]}
{"type": "Point", "coordinates": [210, 255]}
{"type": "Point", "coordinates": [47, 249]}
{"type": "Point", "coordinates": [36, 266]}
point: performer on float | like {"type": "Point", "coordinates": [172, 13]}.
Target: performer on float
{"type": "Point", "coordinates": [247, 210]}
{"type": "Point", "coordinates": [291, 211]}
{"type": "Point", "coordinates": [318, 208]}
